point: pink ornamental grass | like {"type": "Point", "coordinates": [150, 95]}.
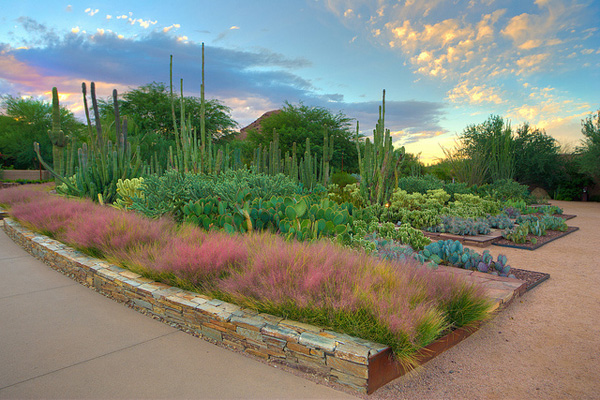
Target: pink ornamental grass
{"type": "Point", "coordinates": [50, 214]}
{"type": "Point", "coordinates": [200, 262]}
{"type": "Point", "coordinates": [409, 300]}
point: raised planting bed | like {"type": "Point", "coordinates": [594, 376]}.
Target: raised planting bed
{"type": "Point", "coordinates": [563, 216]}
{"type": "Point", "coordinates": [532, 278]}
{"type": "Point", "coordinates": [478, 241]}
{"type": "Point", "coordinates": [352, 362]}
{"type": "Point", "coordinates": [541, 240]}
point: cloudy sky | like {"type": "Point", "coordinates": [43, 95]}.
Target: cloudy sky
{"type": "Point", "coordinates": [444, 64]}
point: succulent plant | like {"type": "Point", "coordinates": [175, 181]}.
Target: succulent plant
{"type": "Point", "coordinates": [453, 253]}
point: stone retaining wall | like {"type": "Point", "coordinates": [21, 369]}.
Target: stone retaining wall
{"type": "Point", "coordinates": [25, 174]}
{"type": "Point", "coordinates": [342, 358]}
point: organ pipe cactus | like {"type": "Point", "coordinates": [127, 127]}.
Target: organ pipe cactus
{"type": "Point", "coordinates": [99, 166]}
{"type": "Point", "coordinates": [379, 163]}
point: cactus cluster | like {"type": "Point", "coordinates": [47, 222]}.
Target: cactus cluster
{"type": "Point", "coordinates": [403, 234]}
{"type": "Point", "coordinates": [534, 225]}
{"type": "Point", "coordinates": [461, 226]}
{"type": "Point", "coordinates": [127, 190]}
{"type": "Point", "coordinates": [99, 165]}
{"type": "Point", "coordinates": [452, 252]}
{"type": "Point", "coordinates": [302, 219]}
{"type": "Point", "coordinates": [378, 161]}
{"type": "Point", "coordinates": [500, 221]}
{"type": "Point", "coordinates": [519, 234]}
{"type": "Point", "coordinates": [554, 223]}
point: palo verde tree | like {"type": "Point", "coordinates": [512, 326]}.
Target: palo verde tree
{"type": "Point", "coordinates": [537, 158]}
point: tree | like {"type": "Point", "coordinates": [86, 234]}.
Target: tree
{"type": "Point", "coordinates": [589, 150]}
{"type": "Point", "coordinates": [27, 120]}
{"type": "Point", "coordinates": [294, 124]}
{"type": "Point", "coordinates": [149, 108]}
{"type": "Point", "coordinates": [537, 158]}
{"type": "Point", "coordinates": [491, 141]}
{"type": "Point", "coordinates": [150, 119]}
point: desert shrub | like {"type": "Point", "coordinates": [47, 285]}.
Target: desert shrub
{"type": "Point", "coordinates": [169, 193]}
{"type": "Point", "coordinates": [342, 179]}
{"type": "Point", "coordinates": [469, 205]}
{"type": "Point", "coordinates": [506, 189]}
{"type": "Point", "coordinates": [350, 193]}
{"type": "Point", "coordinates": [458, 187]}
{"type": "Point", "coordinates": [420, 184]}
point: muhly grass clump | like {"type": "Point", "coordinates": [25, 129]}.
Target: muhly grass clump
{"type": "Point", "coordinates": [402, 304]}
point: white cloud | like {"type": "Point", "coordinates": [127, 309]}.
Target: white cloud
{"type": "Point", "coordinates": [532, 63]}
{"type": "Point", "coordinates": [474, 94]}
{"type": "Point", "coordinates": [91, 12]}
{"type": "Point", "coordinates": [75, 29]}
{"type": "Point", "coordinates": [143, 23]}
{"type": "Point", "coordinates": [168, 28]}
{"type": "Point", "coordinates": [234, 27]}
{"type": "Point", "coordinates": [108, 16]}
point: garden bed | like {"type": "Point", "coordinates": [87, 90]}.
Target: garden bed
{"type": "Point", "coordinates": [541, 240]}
{"type": "Point", "coordinates": [479, 240]}
{"type": "Point", "coordinates": [532, 278]}
{"type": "Point", "coordinates": [352, 362]}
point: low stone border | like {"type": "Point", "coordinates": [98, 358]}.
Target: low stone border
{"type": "Point", "coordinates": [352, 362]}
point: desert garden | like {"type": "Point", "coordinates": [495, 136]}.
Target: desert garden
{"type": "Point", "coordinates": [331, 268]}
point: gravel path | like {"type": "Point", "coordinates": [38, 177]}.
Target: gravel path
{"type": "Point", "coordinates": [545, 345]}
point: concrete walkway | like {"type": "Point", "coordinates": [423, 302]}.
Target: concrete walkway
{"type": "Point", "coordinates": [59, 339]}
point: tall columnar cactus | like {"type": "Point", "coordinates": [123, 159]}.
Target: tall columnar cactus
{"type": "Point", "coordinates": [193, 154]}
{"type": "Point", "coordinates": [380, 161]}
{"type": "Point", "coordinates": [57, 136]}
{"type": "Point", "coordinates": [99, 166]}
{"type": "Point", "coordinates": [327, 155]}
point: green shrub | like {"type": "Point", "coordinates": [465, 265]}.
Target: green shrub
{"type": "Point", "coordinates": [505, 189]}
{"type": "Point", "coordinates": [342, 179]}
{"type": "Point", "coordinates": [167, 194]}
{"type": "Point", "coordinates": [420, 184]}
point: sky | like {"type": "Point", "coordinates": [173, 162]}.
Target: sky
{"type": "Point", "coordinates": [444, 64]}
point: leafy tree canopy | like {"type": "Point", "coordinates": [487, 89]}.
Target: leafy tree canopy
{"type": "Point", "coordinates": [590, 146]}
{"type": "Point", "coordinates": [26, 120]}
{"type": "Point", "coordinates": [537, 157]}
{"type": "Point", "coordinates": [294, 124]}
{"type": "Point", "coordinates": [148, 107]}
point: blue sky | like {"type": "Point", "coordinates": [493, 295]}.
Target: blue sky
{"type": "Point", "coordinates": [444, 64]}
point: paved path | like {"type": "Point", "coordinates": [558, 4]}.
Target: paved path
{"type": "Point", "coordinates": [59, 339]}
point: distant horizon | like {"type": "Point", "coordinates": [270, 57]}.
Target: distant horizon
{"type": "Point", "coordinates": [445, 65]}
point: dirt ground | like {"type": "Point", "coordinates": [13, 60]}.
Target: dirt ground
{"type": "Point", "coordinates": [545, 345]}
